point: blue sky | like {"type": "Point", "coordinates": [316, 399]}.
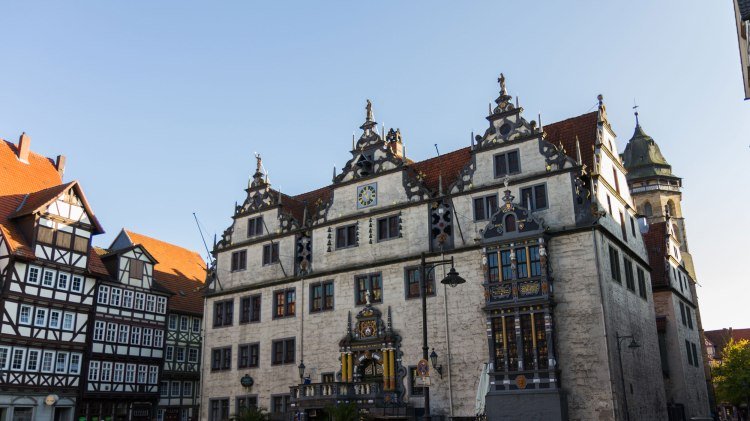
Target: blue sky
{"type": "Point", "coordinates": [159, 106]}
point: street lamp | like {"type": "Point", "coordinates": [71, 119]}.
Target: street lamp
{"type": "Point", "coordinates": [632, 345]}
{"type": "Point", "coordinates": [433, 360]}
{"type": "Point", "coordinates": [301, 368]}
{"type": "Point", "coordinates": [451, 279]}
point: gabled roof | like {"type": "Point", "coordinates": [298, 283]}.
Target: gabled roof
{"type": "Point", "coordinates": [583, 128]}
{"type": "Point", "coordinates": [448, 166]}
{"type": "Point", "coordinates": [38, 201]}
{"type": "Point", "coordinates": [179, 270]}
{"type": "Point", "coordinates": [722, 336]}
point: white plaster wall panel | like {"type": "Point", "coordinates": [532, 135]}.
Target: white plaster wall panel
{"type": "Point", "coordinates": [390, 191]}
{"type": "Point", "coordinates": [530, 159]}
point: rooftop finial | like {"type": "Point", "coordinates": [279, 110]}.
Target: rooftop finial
{"type": "Point", "coordinates": [370, 117]}
{"type": "Point", "coordinates": [602, 108]}
{"type": "Point", "coordinates": [501, 81]}
{"type": "Point", "coordinates": [258, 178]}
{"type": "Point", "coordinates": [258, 162]}
{"type": "Point", "coordinates": [635, 107]}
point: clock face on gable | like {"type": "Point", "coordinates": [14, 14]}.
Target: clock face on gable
{"type": "Point", "coordinates": [367, 195]}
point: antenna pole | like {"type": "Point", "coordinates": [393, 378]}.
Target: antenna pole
{"type": "Point", "coordinates": [210, 257]}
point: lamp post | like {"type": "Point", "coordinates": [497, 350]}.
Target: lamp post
{"type": "Point", "coordinates": [632, 345]}
{"type": "Point", "coordinates": [451, 279]}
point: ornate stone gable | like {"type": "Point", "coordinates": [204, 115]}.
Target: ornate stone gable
{"type": "Point", "coordinates": [512, 220]}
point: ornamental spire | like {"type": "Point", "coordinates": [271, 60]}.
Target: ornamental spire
{"type": "Point", "coordinates": [504, 101]}
{"type": "Point", "coordinates": [369, 119]}
{"type": "Point", "coordinates": [258, 178]}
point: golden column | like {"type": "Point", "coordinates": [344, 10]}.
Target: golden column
{"type": "Point", "coordinates": [386, 372]}
{"type": "Point", "coordinates": [392, 367]}
{"type": "Point", "coordinates": [349, 367]}
{"type": "Point", "coordinates": [343, 367]}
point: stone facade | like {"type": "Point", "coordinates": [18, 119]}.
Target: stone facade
{"type": "Point", "coordinates": [533, 227]}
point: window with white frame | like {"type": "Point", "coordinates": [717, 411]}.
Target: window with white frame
{"type": "Point", "coordinates": [4, 352]}
{"type": "Point", "coordinates": [184, 320]}
{"type": "Point", "coordinates": [150, 303]}
{"type": "Point", "coordinates": [161, 305]}
{"type": "Point", "coordinates": [75, 364]}
{"type": "Point", "coordinates": [16, 362]}
{"type": "Point", "coordinates": [111, 332]}
{"type": "Point", "coordinates": [99, 330]}
{"type": "Point", "coordinates": [130, 373]}
{"type": "Point", "coordinates": [172, 322]}
{"type": "Point", "coordinates": [127, 299]}
{"type": "Point", "coordinates": [196, 325]}
{"type": "Point", "coordinates": [193, 355]}
{"type": "Point", "coordinates": [158, 338]}
{"type": "Point", "coordinates": [47, 360]}
{"type": "Point", "coordinates": [62, 281]}
{"type": "Point", "coordinates": [187, 388]}
{"type": "Point", "coordinates": [153, 374]}
{"type": "Point", "coordinates": [142, 370]}
{"type": "Point", "coordinates": [32, 360]}
{"type": "Point", "coordinates": [135, 335]}
{"type": "Point", "coordinates": [93, 371]}
{"type": "Point", "coordinates": [106, 374]}
{"type": "Point", "coordinates": [163, 392]}
{"type": "Point", "coordinates": [68, 321]}
{"type": "Point", "coordinates": [116, 297]}
{"type": "Point", "coordinates": [24, 314]}
{"type": "Point", "coordinates": [169, 353]}
{"type": "Point", "coordinates": [61, 362]}
{"type": "Point", "coordinates": [180, 354]}
{"type": "Point", "coordinates": [48, 279]}
{"type": "Point", "coordinates": [40, 317]}
{"type": "Point", "coordinates": [148, 335]}
{"type": "Point", "coordinates": [103, 297]}
{"type": "Point", "coordinates": [124, 334]}
{"type": "Point", "coordinates": [139, 300]}
{"type": "Point", "coordinates": [175, 389]}
{"type": "Point", "coordinates": [33, 276]}
{"type": "Point", "coordinates": [119, 372]}
{"type": "Point", "coordinates": [76, 283]}
{"type": "Point", "coordinates": [54, 319]}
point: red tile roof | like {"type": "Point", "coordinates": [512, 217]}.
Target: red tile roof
{"type": "Point", "coordinates": [656, 244]}
{"type": "Point", "coordinates": [180, 270]}
{"type": "Point", "coordinates": [583, 128]}
{"type": "Point", "coordinates": [721, 337]}
{"type": "Point", "coordinates": [448, 165]}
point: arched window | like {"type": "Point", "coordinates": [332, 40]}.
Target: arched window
{"type": "Point", "coordinates": [670, 206]}
{"type": "Point", "coordinates": [647, 209]}
{"type": "Point", "coordinates": [510, 223]}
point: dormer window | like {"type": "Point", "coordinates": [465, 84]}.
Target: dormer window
{"type": "Point", "coordinates": [63, 239]}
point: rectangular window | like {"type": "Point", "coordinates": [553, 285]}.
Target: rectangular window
{"type": "Point", "coordinates": [321, 296]}
{"type": "Point", "coordinates": [250, 309]}
{"type": "Point", "coordinates": [255, 226]}
{"type": "Point", "coordinates": [119, 373]}
{"type": "Point", "coordinates": [161, 305]}
{"type": "Point", "coordinates": [193, 355]}
{"type": "Point", "coordinates": [485, 207]}
{"type": "Point", "coordinates": [135, 335]}
{"type": "Point", "coordinates": [48, 278]}
{"type": "Point", "coordinates": [103, 297]}
{"type": "Point", "coordinates": [4, 351]}
{"type": "Point", "coordinates": [689, 352]}
{"type": "Point", "coordinates": [617, 181]}
{"type": "Point", "coordinates": [414, 389]}
{"type": "Point", "coordinates": [44, 235]}
{"type": "Point", "coordinates": [283, 351]}
{"type": "Point", "coordinates": [136, 269]}
{"type": "Point", "coordinates": [169, 353]}
{"type": "Point", "coordinates": [80, 244]}
{"type": "Point", "coordinates": [506, 265]}
{"type": "Point", "coordinates": [689, 316]}
{"type": "Point", "coordinates": [632, 226]}
{"type": "Point", "coordinates": [413, 277]}
{"type": "Point", "coordinates": [40, 317]}
{"type": "Point", "coordinates": [180, 354]}
{"type": "Point", "coordinates": [130, 373]}
{"type": "Point", "coordinates": [197, 321]}
{"type": "Point", "coordinates": [346, 236]}
{"type": "Point", "coordinates": [184, 322]}
{"type": "Point", "coordinates": [148, 336]}
{"type": "Point", "coordinates": [115, 298]}
{"type": "Point", "coordinates": [239, 260]}
{"type": "Point", "coordinates": [68, 321]}
{"type": "Point", "coordinates": [47, 359]}
{"type": "Point", "coordinates": [62, 281]}
{"type": "Point", "coordinates": [76, 285]}
{"type": "Point", "coordinates": [246, 402]}
{"type": "Point", "coordinates": [63, 239]}
{"type": "Point", "coordinates": [99, 331]}
{"type": "Point", "coordinates": [534, 197]}
{"type": "Point", "coordinates": [187, 389]}
{"type": "Point", "coordinates": [158, 338]}
{"type": "Point", "coordinates": [111, 332]}
{"type": "Point", "coordinates": [33, 276]}
{"type": "Point", "coordinates": [150, 303]}
{"type": "Point", "coordinates": [506, 164]}
{"type": "Point", "coordinates": [221, 359]}
{"type": "Point", "coordinates": [622, 227]}
{"type": "Point", "coordinates": [93, 371]}
{"type": "Point", "coordinates": [127, 299]}
{"type": "Point", "coordinates": [614, 263]}
{"type": "Point", "coordinates": [682, 314]}
{"type": "Point", "coordinates": [142, 370]}
{"type": "Point", "coordinates": [629, 282]}
{"type": "Point", "coordinates": [61, 362]}
{"type": "Point", "coordinates": [223, 313]}
{"type": "Point", "coordinates": [389, 228]}
{"type": "Point", "coordinates": [642, 283]}
{"type": "Point", "coordinates": [164, 389]}
{"type": "Point", "coordinates": [219, 410]}
{"type": "Point", "coordinates": [24, 314]}
{"type": "Point", "coordinates": [140, 299]}
{"type": "Point", "coordinates": [175, 389]}
{"type": "Point", "coordinates": [75, 364]}
{"type": "Point", "coordinates": [16, 362]}
{"type": "Point", "coordinates": [106, 373]}
{"type": "Point", "coordinates": [285, 303]}
{"type": "Point", "coordinates": [248, 356]}
{"type": "Point", "coordinates": [32, 362]}
{"type": "Point", "coordinates": [695, 355]}
{"type": "Point", "coordinates": [54, 319]}
{"type": "Point", "coordinates": [123, 334]}
{"type": "Point", "coordinates": [172, 322]}
{"type": "Point", "coordinates": [371, 285]}
{"type": "Point", "coordinates": [270, 253]}
{"type": "Point", "coordinates": [493, 270]}
{"type": "Point", "coordinates": [522, 270]}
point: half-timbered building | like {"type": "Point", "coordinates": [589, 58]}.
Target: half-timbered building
{"type": "Point", "coordinates": [48, 278]}
{"type": "Point", "coordinates": [315, 298]}
{"type": "Point", "coordinates": [182, 272]}
{"type": "Point", "coordinates": [127, 336]}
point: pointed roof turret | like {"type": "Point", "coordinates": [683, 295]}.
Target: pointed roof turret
{"type": "Point", "coordinates": [643, 158]}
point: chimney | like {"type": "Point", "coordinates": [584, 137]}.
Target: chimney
{"type": "Point", "coordinates": [24, 145]}
{"type": "Point", "coordinates": [60, 164]}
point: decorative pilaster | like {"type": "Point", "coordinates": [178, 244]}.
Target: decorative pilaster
{"type": "Point", "coordinates": [386, 369]}
{"type": "Point", "coordinates": [392, 367]}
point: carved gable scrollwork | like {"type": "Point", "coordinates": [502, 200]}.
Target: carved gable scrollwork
{"type": "Point", "coordinates": [303, 253]}
{"type": "Point", "coordinates": [441, 225]}
{"type": "Point", "coordinates": [414, 185]}
{"type": "Point", "coordinates": [511, 220]}
{"type": "Point", "coordinates": [465, 177]}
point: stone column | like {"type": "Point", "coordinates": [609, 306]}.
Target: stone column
{"type": "Point", "coordinates": [344, 373]}
{"type": "Point", "coordinates": [386, 370]}
{"type": "Point", "coordinates": [349, 371]}
{"type": "Point", "coordinates": [392, 367]}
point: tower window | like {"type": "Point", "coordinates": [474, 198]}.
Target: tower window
{"type": "Point", "coordinates": [647, 209]}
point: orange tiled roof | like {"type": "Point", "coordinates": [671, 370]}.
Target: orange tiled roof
{"type": "Point", "coordinates": [582, 127]}
{"type": "Point", "coordinates": [448, 165]}
{"type": "Point", "coordinates": [720, 337]}
{"type": "Point", "coordinates": [180, 270]}
{"type": "Point", "coordinates": [16, 180]}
